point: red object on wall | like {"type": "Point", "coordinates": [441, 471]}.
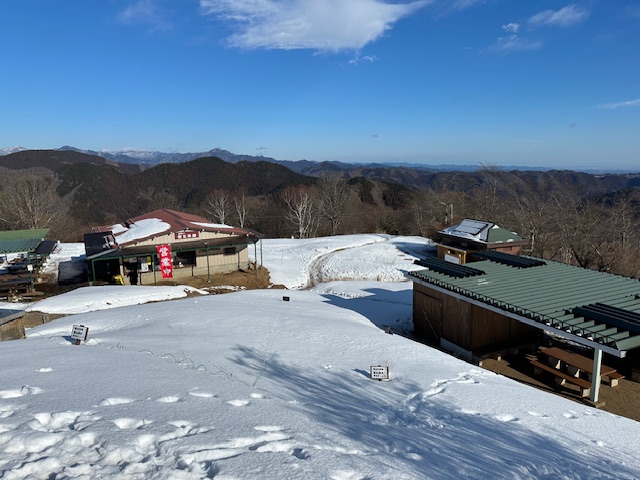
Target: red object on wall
{"type": "Point", "coordinates": [166, 261]}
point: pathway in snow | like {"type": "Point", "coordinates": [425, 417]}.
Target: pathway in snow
{"type": "Point", "coordinates": [379, 264]}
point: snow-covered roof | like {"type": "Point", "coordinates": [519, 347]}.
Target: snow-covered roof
{"type": "Point", "coordinates": [481, 231]}
{"type": "Point", "coordinates": [163, 221]}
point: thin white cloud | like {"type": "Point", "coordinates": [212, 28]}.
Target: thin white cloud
{"type": "Point", "coordinates": [511, 27]}
{"type": "Point", "coordinates": [457, 5]}
{"type": "Point", "coordinates": [515, 43]}
{"type": "Point", "coordinates": [449, 7]}
{"type": "Point", "coordinates": [627, 103]}
{"type": "Point", "coordinates": [565, 17]}
{"type": "Point", "coordinates": [364, 59]}
{"type": "Point", "coordinates": [144, 12]}
{"type": "Point", "coordinates": [323, 25]}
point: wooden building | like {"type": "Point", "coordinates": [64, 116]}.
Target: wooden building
{"type": "Point", "coordinates": [471, 235]}
{"type": "Point", "coordinates": [497, 300]}
{"type": "Point", "coordinates": [128, 251]}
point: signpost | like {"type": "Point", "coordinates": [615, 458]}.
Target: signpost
{"type": "Point", "coordinates": [379, 372]}
{"type": "Point", "coordinates": [79, 333]}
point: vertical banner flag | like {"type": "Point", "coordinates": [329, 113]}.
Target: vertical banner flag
{"type": "Point", "coordinates": [166, 262]}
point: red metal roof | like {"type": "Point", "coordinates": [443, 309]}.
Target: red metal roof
{"type": "Point", "coordinates": [176, 221]}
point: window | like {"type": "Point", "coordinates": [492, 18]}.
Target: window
{"type": "Point", "coordinates": [182, 259]}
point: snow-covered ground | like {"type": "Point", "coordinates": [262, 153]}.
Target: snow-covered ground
{"type": "Point", "coordinates": [247, 385]}
{"type": "Point", "coordinates": [303, 263]}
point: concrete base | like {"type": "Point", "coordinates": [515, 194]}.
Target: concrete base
{"type": "Point", "coordinates": [598, 404]}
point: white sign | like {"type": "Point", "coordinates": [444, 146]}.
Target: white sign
{"type": "Point", "coordinates": [451, 258]}
{"type": "Point", "coordinates": [79, 333]}
{"type": "Point", "coordinates": [379, 372]}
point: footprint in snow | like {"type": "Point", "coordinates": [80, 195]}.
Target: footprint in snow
{"type": "Point", "coordinates": [21, 392]}
{"type": "Point", "coordinates": [131, 423]}
{"type": "Point", "coordinates": [108, 402]}
{"type": "Point", "coordinates": [268, 428]}
{"type": "Point", "coordinates": [184, 428]}
{"type": "Point", "coordinates": [348, 475]}
{"type": "Point", "coordinates": [44, 370]}
{"type": "Point", "coordinates": [62, 421]}
{"type": "Point", "coordinates": [239, 403]}
{"type": "Point", "coordinates": [505, 417]}
{"type": "Point", "coordinates": [469, 412]}
{"type": "Point", "coordinates": [433, 391]}
{"type": "Point", "coordinates": [5, 427]}
{"type": "Point", "coordinates": [536, 414]}
{"type": "Point", "coordinates": [8, 410]}
{"type": "Point", "coordinates": [200, 394]}
{"type": "Point", "coordinates": [169, 399]}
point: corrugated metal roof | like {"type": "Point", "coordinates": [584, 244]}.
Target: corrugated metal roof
{"type": "Point", "coordinates": [547, 294]}
{"type": "Point", "coordinates": [498, 234]}
{"type": "Point", "coordinates": [16, 241]}
{"type": "Point", "coordinates": [40, 233]}
{"type": "Point", "coordinates": [17, 246]}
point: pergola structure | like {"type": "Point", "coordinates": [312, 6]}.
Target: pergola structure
{"type": "Point", "coordinates": [593, 309]}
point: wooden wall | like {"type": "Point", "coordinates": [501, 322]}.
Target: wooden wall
{"type": "Point", "coordinates": [437, 315]}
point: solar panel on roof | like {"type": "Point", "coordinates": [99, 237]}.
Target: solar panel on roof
{"type": "Point", "coordinates": [508, 259]}
{"type": "Point", "coordinates": [472, 227]}
{"type": "Point", "coordinates": [448, 268]}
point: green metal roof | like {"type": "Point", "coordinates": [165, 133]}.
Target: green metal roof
{"type": "Point", "coordinates": [547, 295]}
{"type": "Point", "coordinates": [15, 241]}
{"type": "Point", "coordinates": [40, 233]}
{"type": "Point", "coordinates": [17, 246]}
{"type": "Point", "coordinates": [499, 234]}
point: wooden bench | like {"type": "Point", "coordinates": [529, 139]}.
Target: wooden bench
{"type": "Point", "coordinates": [584, 385]}
{"type": "Point", "coordinates": [577, 364]}
{"type": "Point", "coordinates": [613, 378]}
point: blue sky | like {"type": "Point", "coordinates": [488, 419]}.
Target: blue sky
{"type": "Point", "coordinates": [501, 82]}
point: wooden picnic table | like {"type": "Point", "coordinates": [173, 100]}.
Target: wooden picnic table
{"type": "Point", "coordinates": [11, 283]}
{"type": "Point", "coordinates": [577, 364]}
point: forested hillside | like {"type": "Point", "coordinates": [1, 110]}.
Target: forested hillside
{"type": "Point", "coordinates": [579, 218]}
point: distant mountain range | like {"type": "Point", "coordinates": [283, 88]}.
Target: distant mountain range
{"type": "Point", "coordinates": [306, 167]}
{"type": "Point", "coordinates": [147, 159]}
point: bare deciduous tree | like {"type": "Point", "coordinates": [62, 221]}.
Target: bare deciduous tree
{"type": "Point", "coordinates": [301, 210]}
{"type": "Point", "coordinates": [241, 206]}
{"type": "Point", "coordinates": [31, 201]}
{"type": "Point", "coordinates": [333, 196]}
{"type": "Point", "coordinates": [218, 205]}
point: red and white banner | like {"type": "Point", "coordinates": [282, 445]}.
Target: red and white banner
{"type": "Point", "coordinates": [166, 261]}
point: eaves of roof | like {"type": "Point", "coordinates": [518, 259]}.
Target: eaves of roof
{"type": "Point", "coordinates": [21, 245]}
{"type": "Point", "coordinates": [144, 250]}
{"type": "Point", "coordinates": [547, 294]}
